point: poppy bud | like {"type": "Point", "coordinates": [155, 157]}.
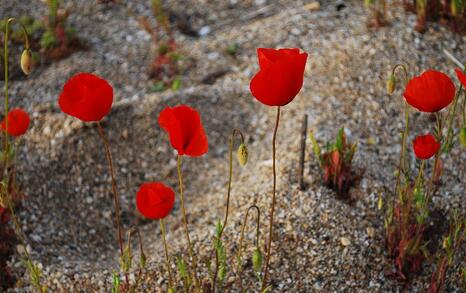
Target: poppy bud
{"type": "Point", "coordinates": [446, 242]}
{"type": "Point", "coordinates": [26, 61]}
{"type": "Point", "coordinates": [391, 84]}
{"type": "Point", "coordinates": [380, 202]}
{"type": "Point", "coordinates": [463, 136]}
{"type": "Point", "coordinates": [257, 260]}
{"type": "Point", "coordinates": [368, 3]}
{"type": "Point", "coordinates": [242, 154]}
{"type": "Point", "coordinates": [171, 290]}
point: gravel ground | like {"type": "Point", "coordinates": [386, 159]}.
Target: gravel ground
{"type": "Point", "coordinates": [68, 212]}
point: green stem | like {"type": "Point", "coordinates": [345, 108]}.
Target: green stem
{"type": "Point", "coordinates": [451, 116]}
{"type": "Point", "coordinates": [272, 208]}
{"type": "Point", "coordinates": [116, 198]}
{"type": "Point", "coordinates": [185, 224]}
{"type": "Point", "coordinates": [230, 176]}
{"type": "Point", "coordinates": [167, 258]}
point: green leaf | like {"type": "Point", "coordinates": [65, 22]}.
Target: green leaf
{"type": "Point", "coordinates": [340, 139]}
{"type": "Point", "coordinates": [315, 147]}
{"type": "Point", "coordinates": [116, 283]}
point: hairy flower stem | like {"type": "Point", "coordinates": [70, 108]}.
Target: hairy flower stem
{"type": "Point", "coordinates": [116, 199]}
{"type": "Point", "coordinates": [272, 208]}
{"type": "Point", "coordinates": [230, 175]}
{"type": "Point", "coordinates": [167, 259]}
{"type": "Point", "coordinates": [240, 249]}
{"type": "Point", "coordinates": [185, 224]}
{"type": "Point", "coordinates": [451, 116]}
{"type": "Point", "coordinates": [401, 165]}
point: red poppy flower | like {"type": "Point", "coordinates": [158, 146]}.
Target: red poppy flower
{"type": "Point", "coordinates": [430, 92]}
{"type": "Point", "coordinates": [86, 97]}
{"type": "Point", "coordinates": [184, 126]}
{"type": "Point", "coordinates": [280, 77]}
{"type": "Point", "coordinates": [461, 76]}
{"type": "Point", "coordinates": [425, 146]}
{"type": "Point", "coordinates": [155, 200]}
{"type": "Point", "coordinates": [18, 122]}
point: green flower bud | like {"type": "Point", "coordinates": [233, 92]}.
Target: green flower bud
{"type": "Point", "coordinates": [391, 84]}
{"type": "Point", "coordinates": [463, 136]}
{"type": "Point", "coordinates": [171, 290]}
{"type": "Point", "coordinates": [257, 260]}
{"type": "Point", "coordinates": [26, 61]}
{"type": "Point", "coordinates": [380, 203]}
{"type": "Point", "coordinates": [242, 154]}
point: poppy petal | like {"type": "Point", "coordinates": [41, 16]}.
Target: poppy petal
{"type": "Point", "coordinates": [185, 129]}
{"type": "Point", "coordinates": [461, 76]}
{"type": "Point", "coordinates": [86, 97]}
{"type": "Point", "coordinates": [18, 122]}
{"type": "Point", "coordinates": [430, 92]}
{"type": "Point", "coordinates": [154, 200]}
{"type": "Point", "coordinates": [425, 146]}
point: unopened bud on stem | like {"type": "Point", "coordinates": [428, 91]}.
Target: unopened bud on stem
{"type": "Point", "coordinates": [242, 154]}
{"type": "Point", "coordinates": [257, 260]}
{"type": "Point", "coordinates": [391, 84]}
{"type": "Point", "coordinates": [26, 61]}
{"type": "Point", "coordinates": [463, 136]}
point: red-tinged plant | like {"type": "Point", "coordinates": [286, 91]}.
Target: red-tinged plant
{"type": "Point", "coordinates": [155, 201]}
{"type": "Point", "coordinates": [336, 163]}
{"type": "Point", "coordinates": [89, 98]}
{"type": "Point", "coordinates": [378, 10]}
{"type": "Point", "coordinates": [451, 246]}
{"type": "Point", "coordinates": [407, 214]}
{"type": "Point", "coordinates": [18, 122]}
{"type": "Point", "coordinates": [165, 65]}
{"type": "Point", "coordinates": [59, 39]}
{"type": "Point", "coordinates": [184, 127]}
{"type": "Point", "coordinates": [449, 12]}
{"type": "Point", "coordinates": [277, 83]}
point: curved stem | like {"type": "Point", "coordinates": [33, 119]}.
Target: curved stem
{"type": "Point", "coordinates": [167, 258]}
{"type": "Point", "coordinates": [405, 71]}
{"type": "Point", "coordinates": [272, 209]}
{"type": "Point", "coordinates": [185, 223]}
{"type": "Point", "coordinates": [114, 192]}
{"type": "Point", "coordinates": [240, 250]}
{"type": "Point", "coordinates": [230, 175]}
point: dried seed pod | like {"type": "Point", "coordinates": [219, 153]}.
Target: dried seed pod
{"type": "Point", "coordinates": [26, 61]}
{"type": "Point", "coordinates": [242, 154]}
